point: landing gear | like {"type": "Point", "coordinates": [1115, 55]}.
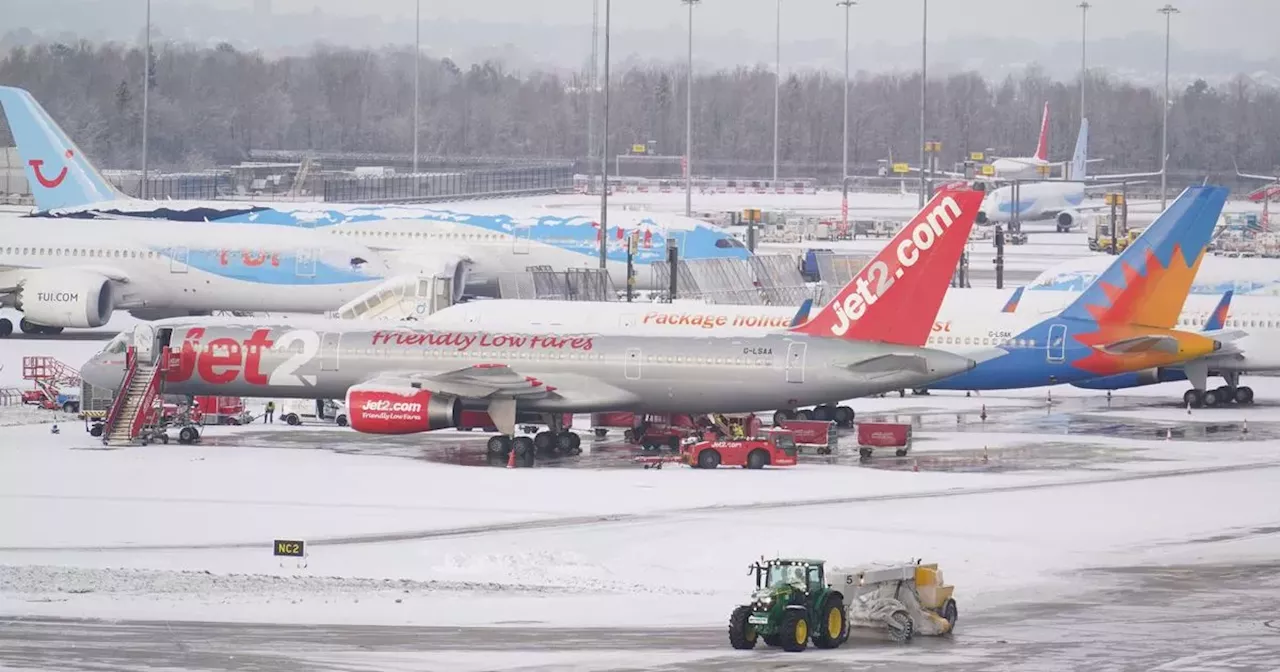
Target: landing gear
{"type": "Point", "coordinates": [841, 415]}
{"type": "Point", "coordinates": [6, 327]}
{"type": "Point", "coordinates": [1220, 396]}
{"type": "Point", "coordinates": [29, 327]}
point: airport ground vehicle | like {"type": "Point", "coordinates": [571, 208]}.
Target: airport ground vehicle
{"type": "Point", "coordinates": [797, 601]}
{"type": "Point", "coordinates": [793, 604]}
{"type": "Point", "coordinates": [872, 435]}
{"type": "Point", "coordinates": [775, 447]}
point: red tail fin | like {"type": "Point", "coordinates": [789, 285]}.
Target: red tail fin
{"type": "Point", "coordinates": [896, 297]}
{"type": "Point", "coordinates": [1042, 148]}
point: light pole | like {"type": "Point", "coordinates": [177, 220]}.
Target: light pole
{"type": "Point", "coordinates": [1168, 11]}
{"type": "Point", "coordinates": [593, 82]}
{"type": "Point", "coordinates": [688, 121]}
{"type": "Point", "coordinates": [844, 163]}
{"type": "Point", "coordinates": [417, 60]}
{"type": "Point", "coordinates": [924, 92]}
{"type": "Point", "coordinates": [777, 87]}
{"type": "Point", "coordinates": [604, 149]}
{"type": "Point", "coordinates": [146, 94]}
{"type": "Point", "coordinates": [1084, 34]}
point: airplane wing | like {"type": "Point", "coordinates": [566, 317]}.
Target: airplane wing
{"type": "Point", "coordinates": [481, 381]}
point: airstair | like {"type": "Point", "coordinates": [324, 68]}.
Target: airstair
{"type": "Point", "coordinates": [51, 375]}
{"type": "Point", "coordinates": [138, 394]}
{"type": "Point", "coordinates": [405, 297]}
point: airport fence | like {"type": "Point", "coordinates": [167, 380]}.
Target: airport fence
{"type": "Point", "coordinates": [836, 270]}
{"type": "Point", "coordinates": [544, 283]}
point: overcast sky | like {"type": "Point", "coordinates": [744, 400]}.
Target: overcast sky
{"type": "Point", "coordinates": [1248, 27]}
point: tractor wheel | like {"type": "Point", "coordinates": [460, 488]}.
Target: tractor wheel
{"type": "Point", "coordinates": [340, 421]}
{"type": "Point", "coordinates": [708, 459]}
{"type": "Point", "coordinates": [742, 635]}
{"type": "Point", "coordinates": [187, 435]}
{"type": "Point", "coordinates": [95, 431]}
{"type": "Point", "coordinates": [794, 631]}
{"type": "Point", "coordinates": [905, 630]}
{"type": "Point", "coordinates": [757, 459]}
{"type": "Point", "coordinates": [832, 628]}
{"type": "Point", "coordinates": [293, 420]}
{"type": "Point", "coordinates": [952, 613]}
{"type": "Point", "coordinates": [770, 640]}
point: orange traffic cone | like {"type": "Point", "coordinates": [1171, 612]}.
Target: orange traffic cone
{"type": "Point", "coordinates": [511, 458]}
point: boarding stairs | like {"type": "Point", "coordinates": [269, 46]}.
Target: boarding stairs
{"type": "Point", "coordinates": [50, 375]}
{"type": "Point", "coordinates": [140, 390]}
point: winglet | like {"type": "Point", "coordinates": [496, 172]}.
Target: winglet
{"type": "Point", "coordinates": [1218, 319]}
{"type": "Point", "coordinates": [1148, 283]}
{"type": "Point", "coordinates": [1012, 305]}
{"type": "Point", "coordinates": [895, 298]}
{"type": "Point", "coordinates": [803, 314]}
{"type": "Point", "coordinates": [58, 172]}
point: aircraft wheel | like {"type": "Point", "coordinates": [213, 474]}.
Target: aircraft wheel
{"type": "Point", "coordinates": [805, 414]}
{"type": "Point", "coordinates": [498, 445]}
{"type": "Point", "coordinates": [1244, 395]}
{"type": "Point", "coordinates": [544, 442]}
{"type": "Point", "coordinates": [1192, 398]}
{"type": "Point", "coordinates": [29, 327]}
{"type": "Point", "coordinates": [523, 445]}
{"type": "Point", "coordinates": [844, 416]}
{"type": "Point", "coordinates": [6, 327]}
{"type": "Point", "coordinates": [1211, 398]}
{"type": "Point", "coordinates": [823, 413]}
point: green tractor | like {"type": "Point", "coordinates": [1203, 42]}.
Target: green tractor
{"type": "Point", "coordinates": [792, 604]}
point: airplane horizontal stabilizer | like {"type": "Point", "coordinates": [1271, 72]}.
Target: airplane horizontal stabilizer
{"type": "Point", "coordinates": [1138, 344]}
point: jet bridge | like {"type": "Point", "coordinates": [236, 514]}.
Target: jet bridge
{"type": "Point", "coordinates": [404, 297]}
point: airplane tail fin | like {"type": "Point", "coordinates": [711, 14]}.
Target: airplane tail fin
{"type": "Point", "coordinates": [1218, 319]}
{"type": "Point", "coordinates": [1042, 147]}
{"type": "Point", "coordinates": [1080, 158]}
{"type": "Point", "coordinates": [1012, 305]}
{"type": "Point", "coordinates": [1148, 283]}
{"type": "Point", "coordinates": [58, 172]}
{"type": "Point", "coordinates": [803, 314]}
{"type": "Point", "coordinates": [895, 298]}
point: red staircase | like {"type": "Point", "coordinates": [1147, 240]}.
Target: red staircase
{"type": "Point", "coordinates": [135, 400]}
{"type": "Point", "coordinates": [49, 375]}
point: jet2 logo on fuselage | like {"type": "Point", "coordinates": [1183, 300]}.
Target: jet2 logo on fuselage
{"type": "Point", "coordinates": [37, 167]}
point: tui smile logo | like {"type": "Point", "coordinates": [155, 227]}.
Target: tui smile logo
{"type": "Point", "coordinates": [36, 167]}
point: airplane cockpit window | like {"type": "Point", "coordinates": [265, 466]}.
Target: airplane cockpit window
{"type": "Point", "coordinates": [729, 242]}
{"type": "Point", "coordinates": [116, 345]}
{"type": "Point", "coordinates": [357, 262]}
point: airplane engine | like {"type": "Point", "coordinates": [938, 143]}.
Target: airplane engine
{"type": "Point", "coordinates": [77, 299]}
{"type": "Point", "coordinates": [1135, 379]}
{"type": "Point", "coordinates": [1067, 220]}
{"type": "Point", "coordinates": [400, 409]}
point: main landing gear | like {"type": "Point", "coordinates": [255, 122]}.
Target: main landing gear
{"type": "Point", "coordinates": [842, 415]}
{"type": "Point", "coordinates": [556, 441]}
{"type": "Point", "coordinates": [1222, 396]}
{"type": "Point", "coordinates": [27, 327]}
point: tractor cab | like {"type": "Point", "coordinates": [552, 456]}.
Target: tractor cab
{"type": "Point", "coordinates": [791, 605]}
{"type": "Point", "coordinates": [805, 576]}
{"type": "Point", "coordinates": [785, 440]}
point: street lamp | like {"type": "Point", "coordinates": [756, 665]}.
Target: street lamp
{"type": "Point", "coordinates": [844, 170]}
{"type": "Point", "coordinates": [1084, 32]}
{"type": "Point", "coordinates": [604, 148]}
{"type": "Point", "coordinates": [146, 95]}
{"type": "Point", "coordinates": [688, 121]}
{"type": "Point", "coordinates": [417, 60]}
{"type": "Point", "coordinates": [1168, 11]}
{"type": "Point", "coordinates": [924, 92]}
{"type": "Point", "coordinates": [777, 87]}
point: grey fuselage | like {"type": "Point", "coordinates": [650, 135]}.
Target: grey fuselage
{"type": "Point", "coordinates": [581, 373]}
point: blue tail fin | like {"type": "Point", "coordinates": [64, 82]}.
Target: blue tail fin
{"type": "Point", "coordinates": [803, 314]}
{"type": "Point", "coordinates": [1080, 159]}
{"type": "Point", "coordinates": [1012, 305]}
{"type": "Point", "coordinates": [58, 172]}
{"type": "Point", "coordinates": [1218, 319]}
{"type": "Point", "coordinates": [1148, 283]}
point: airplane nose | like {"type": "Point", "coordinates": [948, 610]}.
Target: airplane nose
{"type": "Point", "coordinates": [102, 374]}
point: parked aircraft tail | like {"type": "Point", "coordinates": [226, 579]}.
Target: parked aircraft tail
{"type": "Point", "coordinates": [1042, 147]}
{"type": "Point", "coordinates": [895, 298]}
{"type": "Point", "coordinates": [1218, 318]}
{"type": "Point", "coordinates": [59, 173]}
{"type": "Point", "coordinates": [1080, 158]}
{"type": "Point", "coordinates": [1148, 283]}
{"type": "Point", "coordinates": [802, 314]}
{"type": "Point", "coordinates": [1012, 305]}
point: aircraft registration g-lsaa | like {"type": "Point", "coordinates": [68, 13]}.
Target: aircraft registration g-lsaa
{"type": "Point", "coordinates": [76, 273]}
{"type": "Point", "coordinates": [470, 242]}
{"type": "Point", "coordinates": [1120, 323]}
{"type": "Point", "coordinates": [400, 380]}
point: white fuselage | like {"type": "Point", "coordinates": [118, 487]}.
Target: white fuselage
{"type": "Point", "coordinates": [1019, 168]}
{"type": "Point", "coordinates": [1036, 201]}
{"type": "Point", "coordinates": [180, 268]}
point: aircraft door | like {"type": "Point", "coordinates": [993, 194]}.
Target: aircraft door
{"type": "Point", "coordinates": [178, 260]}
{"type": "Point", "coordinates": [144, 343]}
{"type": "Point", "coordinates": [795, 362]}
{"type": "Point", "coordinates": [520, 239]}
{"type": "Point", "coordinates": [305, 264]}
{"type": "Point", "coordinates": [633, 364]}
{"type": "Point", "coordinates": [330, 350]}
{"type": "Point", "coordinates": [1057, 345]}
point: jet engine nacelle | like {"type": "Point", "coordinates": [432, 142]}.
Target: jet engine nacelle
{"type": "Point", "coordinates": [1067, 219]}
{"type": "Point", "coordinates": [400, 409]}
{"type": "Point", "coordinates": [76, 299]}
{"type": "Point", "coordinates": [1136, 379]}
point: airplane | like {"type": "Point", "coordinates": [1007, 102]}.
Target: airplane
{"type": "Point", "coordinates": [1106, 332]}
{"type": "Point", "coordinates": [1029, 167]}
{"type": "Point", "coordinates": [75, 274]}
{"type": "Point", "coordinates": [400, 380]}
{"type": "Point", "coordinates": [1243, 276]}
{"type": "Point", "coordinates": [1058, 200]}
{"type": "Point", "coordinates": [471, 242]}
